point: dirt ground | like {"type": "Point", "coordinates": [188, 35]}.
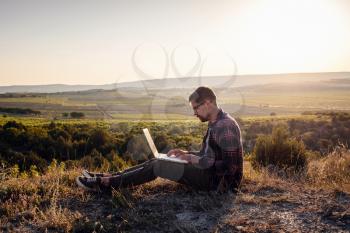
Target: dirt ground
{"type": "Point", "coordinates": [263, 204]}
{"type": "Point", "coordinates": [163, 206]}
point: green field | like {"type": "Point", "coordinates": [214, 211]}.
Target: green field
{"type": "Point", "coordinates": [172, 104]}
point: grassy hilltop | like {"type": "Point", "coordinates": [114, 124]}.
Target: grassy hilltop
{"type": "Point", "coordinates": [271, 198]}
{"type": "Point", "coordinates": [296, 162]}
{"type": "Point", "coordinates": [266, 202]}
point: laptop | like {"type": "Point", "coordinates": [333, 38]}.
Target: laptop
{"type": "Point", "coordinates": [155, 151]}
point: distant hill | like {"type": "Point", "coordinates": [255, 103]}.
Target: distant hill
{"type": "Point", "coordinates": [52, 88]}
{"type": "Point", "coordinates": [191, 82]}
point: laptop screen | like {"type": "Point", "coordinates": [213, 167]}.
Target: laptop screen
{"type": "Point", "coordinates": [151, 143]}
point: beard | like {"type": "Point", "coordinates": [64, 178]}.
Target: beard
{"type": "Point", "coordinates": [202, 119]}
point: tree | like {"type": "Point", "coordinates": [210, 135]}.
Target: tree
{"type": "Point", "coordinates": [77, 115]}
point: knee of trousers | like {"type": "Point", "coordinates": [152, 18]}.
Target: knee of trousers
{"type": "Point", "coordinates": [168, 170]}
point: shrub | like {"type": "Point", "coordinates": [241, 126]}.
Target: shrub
{"type": "Point", "coordinates": [24, 161]}
{"type": "Point", "coordinates": [98, 138]}
{"type": "Point", "coordinates": [13, 124]}
{"type": "Point", "coordinates": [137, 149]}
{"type": "Point", "coordinates": [95, 161]}
{"type": "Point", "coordinates": [279, 150]}
{"type": "Point", "coordinates": [176, 130]}
{"type": "Point", "coordinates": [77, 115]}
{"type": "Point", "coordinates": [34, 171]}
{"type": "Point", "coordinates": [21, 111]}
{"type": "Point", "coordinates": [163, 143]}
{"type": "Point", "coordinates": [117, 162]}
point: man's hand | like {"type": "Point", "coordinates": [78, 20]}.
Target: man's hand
{"type": "Point", "coordinates": [193, 159]}
{"type": "Point", "coordinates": [177, 152]}
{"type": "Point", "coordinates": [186, 157]}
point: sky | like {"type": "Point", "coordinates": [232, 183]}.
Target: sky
{"type": "Point", "coordinates": [100, 42]}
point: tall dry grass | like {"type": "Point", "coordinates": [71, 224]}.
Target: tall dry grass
{"type": "Point", "coordinates": [34, 201]}
{"type": "Point", "coordinates": [332, 171]}
{"type": "Point", "coordinates": [329, 172]}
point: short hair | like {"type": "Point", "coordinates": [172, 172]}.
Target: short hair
{"type": "Point", "coordinates": [201, 94]}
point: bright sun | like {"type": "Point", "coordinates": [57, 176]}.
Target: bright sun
{"type": "Point", "coordinates": [289, 34]}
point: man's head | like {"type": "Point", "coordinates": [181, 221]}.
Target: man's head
{"type": "Point", "coordinates": [203, 101]}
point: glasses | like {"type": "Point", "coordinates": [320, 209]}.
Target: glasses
{"type": "Point", "coordinates": [195, 108]}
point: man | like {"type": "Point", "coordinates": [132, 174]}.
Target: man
{"type": "Point", "coordinates": [217, 166]}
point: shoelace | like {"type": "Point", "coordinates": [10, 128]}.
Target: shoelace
{"type": "Point", "coordinates": [91, 180]}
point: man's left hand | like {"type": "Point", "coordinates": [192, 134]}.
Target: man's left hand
{"type": "Point", "coordinates": [186, 157]}
{"type": "Point", "coordinates": [189, 158]}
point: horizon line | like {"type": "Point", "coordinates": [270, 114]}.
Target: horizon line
{"type": "Point", "coordinates": [250, 74]}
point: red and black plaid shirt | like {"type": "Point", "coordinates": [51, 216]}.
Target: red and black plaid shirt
{"type": "Point", "coordinates": [222, 150]}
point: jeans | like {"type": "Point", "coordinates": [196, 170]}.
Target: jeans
{"type": "Point", "coordinates": [188, 174]}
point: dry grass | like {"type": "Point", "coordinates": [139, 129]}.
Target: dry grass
{"type": "Point", "coordinates": [265, 202]}
{"type": "Point", "coordinates": [332, 172]}
{"type": "Point", "coordinates": [262, 178]}
{"type": "Point", "coordinates": [34, 201]}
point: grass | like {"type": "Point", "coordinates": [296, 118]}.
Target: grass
{"type": "Point", "coordinates": [332, 171]}
{"type": "Point", "coordinates": [285, 117]}
{"type": "Point", "coordinates": [134, 118]}
{"type": "Point", "coordinates": [166, 104]}
{"type": "Point", "coordinates": [127, 118]}
{"type": "Point", "coordinates": [36, 200]}
{"type": "Point", "coordinates": [34, 100]}
{"type": "Point", "coordinates": [51, 202]}
{"type": "Point", "coordinates": [321, 100]}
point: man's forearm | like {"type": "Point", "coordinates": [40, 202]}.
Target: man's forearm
{"type": "Point", "coordinates": [194, 159]}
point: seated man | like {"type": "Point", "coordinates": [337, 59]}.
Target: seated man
{"type": "Point", "coordinates": [217, 166]}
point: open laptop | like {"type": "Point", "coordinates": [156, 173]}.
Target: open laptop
{"type": "Point", "coordinates": [155, 151]}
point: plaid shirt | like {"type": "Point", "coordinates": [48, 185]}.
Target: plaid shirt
{"type": "Point", "coordinates": [222, 150]}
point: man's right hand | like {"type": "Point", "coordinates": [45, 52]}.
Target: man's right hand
{"type": "Point", "coordinates": [177, 152]}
